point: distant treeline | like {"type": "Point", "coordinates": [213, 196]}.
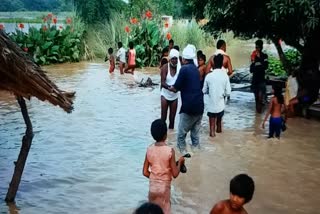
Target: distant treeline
{"type": "Point", "coordinates": [36, 5]}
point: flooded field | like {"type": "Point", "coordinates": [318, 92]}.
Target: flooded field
{"type": "Point", "coordinates": [90, 161]}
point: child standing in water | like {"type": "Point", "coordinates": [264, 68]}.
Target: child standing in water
{"type": "Point", "coordinates": [276, 107]}
{"type": "Point", "coordinates": [111, 60]}
{"type": "Point", "coordinates": [241, 192]}
{"type": "Point", "coordinates": [131, 59]}
{"type": "Point", "coordinates": [202, 67]}
{"type": "Point", "coordinates": [121, 56]}
{"type": "Point", "coordinates": [216, 87]}
{"type": "Point", "coordinates": [160, 166]}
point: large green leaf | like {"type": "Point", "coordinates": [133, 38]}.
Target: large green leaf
{"type": "Point", "coordinates": [42, 59]}
{"type": "Point", "coordinates": [52, 34]}
{"type": "Point", "coordinates": [55, 48]}
{"type": "Point", "coordinates": [46, 45]}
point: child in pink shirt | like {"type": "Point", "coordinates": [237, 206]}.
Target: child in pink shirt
{"type": "Point", "coordinates": [131, 59]}
{"type": "Point", "coordinates": [160, 166]}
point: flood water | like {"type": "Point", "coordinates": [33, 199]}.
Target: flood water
{"type": "Point", "coordinates": [90, 161]}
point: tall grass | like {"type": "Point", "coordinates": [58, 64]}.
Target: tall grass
{"type": "Point", "coordinates": [101, 37]}
{"type": "Point", "coordinates": [189, 32]}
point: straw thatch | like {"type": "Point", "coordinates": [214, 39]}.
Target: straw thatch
{"type": "Point", "coordinates": [20, 75]}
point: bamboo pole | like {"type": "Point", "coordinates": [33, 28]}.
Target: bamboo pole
{"type": "Point", "coordinates": [24, 151]}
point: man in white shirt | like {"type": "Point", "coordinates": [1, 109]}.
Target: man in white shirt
{"type": "Point", "coordinates": [121, 56]}
{"type": "Point", "coordinates": [216, 87]}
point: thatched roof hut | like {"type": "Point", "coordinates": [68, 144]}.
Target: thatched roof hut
{"type": "Point", "coordinates": [20, 75]}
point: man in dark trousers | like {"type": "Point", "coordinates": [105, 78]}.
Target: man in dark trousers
{"type": "Point", "coordinates": [258, 67]}
{"type": "Point", "coordinates": [188, 83]}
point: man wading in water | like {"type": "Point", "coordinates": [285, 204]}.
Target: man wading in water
{"type": "Point", "coordinates": [169, 99]}
{"type": "Point", "coordinates": [258, 67]}
{"type": "Point", "coordinates": [221, 49]}
{"type": "Point", "coordinates": [188, 83]}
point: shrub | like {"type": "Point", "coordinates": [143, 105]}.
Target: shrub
{"type": "Point", "coordinates": [148, 39]}
{"type": "Point", "coordinates": [51, 43]}
{"type": "Point", "coordinates": [102, 36]}
{"type": "Point", "coordinates": [275, 66]}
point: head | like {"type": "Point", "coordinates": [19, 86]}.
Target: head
{"type": "Point", "coordinates": [148, 208]}
{"type": "Point", "coordinates": [110, 51]}
{"type": "Point", "coordinates": [221, 44]}
{"type": "Point", "coordinates": [165, 52]}
{"type": "Point", "coordinates": [202, 59]}
{"type": "Point", "coordinates": [218, 61]}
{"type": "Point", "coordinates": [189, 53]}
{"type": "Point", "coordinates": [131, 45]}
{"type": "Point", "coordinates": [171, 43]}
{"type": "Point", "coordinates": [277, 92]}
{"type": "Point", "coordinates": [173, 58]}
{"type": "Point", "coordinates": [159, 130]}
{"type": "Point", "coordinates": [199, 53]}
{"type": "Point", "coordinates": [176, 47]}
{"type": "Point", "coordinates": [119, 44]}
{"type": "Point", "coordinates": [259, 45]}
{"type": "Point", "coordinates": [241, 190]}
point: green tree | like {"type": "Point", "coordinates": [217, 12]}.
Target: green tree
{"type": "Point", "coordinates": [97, 11]}
{"type": "Point", "coordinates": [11, 5]}
{"type": "Point", "coordinates": [183, 9]}
{"type": "Point", "coordinates": [158, 7]}
{"type": "Point", "coordinates": [41, 5]}
{"type": "Point", "coordinates": [294, 21]}
{"type": "Point", "coordinates": [66, 5]}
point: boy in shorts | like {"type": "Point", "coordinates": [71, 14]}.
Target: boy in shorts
{"type": "Point", "coordinates": [111, 60]}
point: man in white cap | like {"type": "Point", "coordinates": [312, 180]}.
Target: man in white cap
{"type": "Point", "coordinates": [169, 99]}
{"type": "Point", "coordinates": [188, 83]}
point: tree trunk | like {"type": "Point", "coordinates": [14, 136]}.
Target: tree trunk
{"type": "Point", "coordinates": [309, 73]}
{"type": "Point", "coordinates": [25, 147]}
{"type": "Point", "coordinates": [282, 56]}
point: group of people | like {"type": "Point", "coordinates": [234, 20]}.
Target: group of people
{"type": "Point", "coordinates": [189, 76]}
{"type": "Point", "coordinates": [202, 86]}
{"type": "Point", "coordinates": [199, 81]}
{"type": "Point", "coordinates": [126, 59]}
{"type": "Point", "coordinates": [195, 79]}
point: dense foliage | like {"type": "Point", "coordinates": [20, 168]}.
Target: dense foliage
{"type": "Point", "coordinates": [290, 20]}
{"type": "Point", "coordinates": [275, 66]}
{"type": "Point", "coordinates": [296, 22]}
{"type": "Point", "coordinates": [175, 8]}
{"type": "Point", "coordinates": [97, 11]}
{"type": "Point", "coordinates": [51, 43]}
{"type": "Point", "coordinates": [148, 39]}
{"type": "Point", "coordinates": [35, 5]}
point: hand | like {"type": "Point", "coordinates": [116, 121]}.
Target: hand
{"type": "Point", "coordinates": [171, 88]}
{"type": "Point", "coordinates": [263, 124]}
{"type": "Point", "coordinates": [181, 160]}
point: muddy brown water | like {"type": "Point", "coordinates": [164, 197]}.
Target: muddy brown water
{"type": "Point", "coordinates": [90, 161]}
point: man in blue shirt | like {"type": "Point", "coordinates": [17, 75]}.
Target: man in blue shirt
{"type": "Point", "coordinates": [188, 83]}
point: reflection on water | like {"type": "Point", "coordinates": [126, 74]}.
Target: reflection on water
{"type": "Point", "coordinates": [90, 161]}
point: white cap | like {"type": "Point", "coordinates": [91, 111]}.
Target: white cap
{"type": "Point", "coordinates": [173, 53]}
{"type": "Point", "coordinates": [189, 52]}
